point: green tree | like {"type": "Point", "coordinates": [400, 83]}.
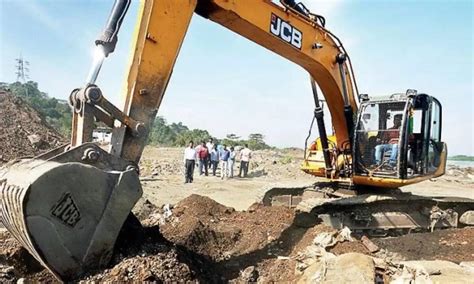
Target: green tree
{"type": "Point", "coordinates": [161, 133]}
{"type": "Point", "coordinates": [196, 135]}
{"type": "Point", "coordinates": [232, 136]}
{"type": "Point", "coordinates": [256, 142]}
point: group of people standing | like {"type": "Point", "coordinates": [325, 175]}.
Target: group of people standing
{"type": "Point", "coordinates": [210, 156]}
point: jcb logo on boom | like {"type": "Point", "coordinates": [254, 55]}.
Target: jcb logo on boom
{"type": "Point", "coordinates": [286, 32]}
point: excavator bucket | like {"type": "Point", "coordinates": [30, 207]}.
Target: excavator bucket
{"type": "Point", "coordinates": [67, 210]}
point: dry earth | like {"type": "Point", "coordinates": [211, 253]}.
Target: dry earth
{"type": "Point", "coordinates": [23, 131]}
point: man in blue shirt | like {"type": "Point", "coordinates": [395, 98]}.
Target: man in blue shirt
{"type": "Point", "coordinates": [224, 155]}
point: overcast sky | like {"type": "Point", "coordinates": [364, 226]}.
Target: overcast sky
{"type": "Point", "coordinates": [227, 84]}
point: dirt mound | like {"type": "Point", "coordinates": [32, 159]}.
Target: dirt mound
{"type": "Point", "coordinates": [454, 245]}
{"type": "Point", "coordinates": [219, 232]}
{"type": "Point", "coordinates": [273, 163]}
{"type": "Point", "coordinates": [23, 131]}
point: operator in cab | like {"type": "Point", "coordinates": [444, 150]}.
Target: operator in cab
{"type": "Point", "coordinates": [389, 142]}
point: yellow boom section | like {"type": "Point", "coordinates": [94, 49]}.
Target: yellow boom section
{"type": "Point", "coordinates": [162, 26]}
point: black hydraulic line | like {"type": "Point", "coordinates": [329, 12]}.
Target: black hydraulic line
{"type": "Point", "coordinates": [309, 136]}
{"type": "Point", "coordinates": [319, 115]}
{"type": "Point", "coordinates": [108, 38]}
{"type": "Point", "coordinates": [299, 8]}
{"type": "Point", "coordinates": [348, 112]}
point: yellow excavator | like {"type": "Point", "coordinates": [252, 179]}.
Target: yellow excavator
{"type": "Point", "coordinates": [68, 206]}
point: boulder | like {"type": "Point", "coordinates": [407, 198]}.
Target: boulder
{"type": "Point", "coordinates": [441, 271]}
{"type": "Point", "coordinates": [345, 268]}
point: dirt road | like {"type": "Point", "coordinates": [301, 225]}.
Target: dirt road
{"type": "Point", "coordinates": [163, 180]}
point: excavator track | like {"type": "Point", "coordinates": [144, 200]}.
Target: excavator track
{"type": "Point", "coordinates": [374, 213]}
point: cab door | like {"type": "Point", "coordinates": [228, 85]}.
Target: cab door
{"type": "Point", "coordinates": [435, 146]}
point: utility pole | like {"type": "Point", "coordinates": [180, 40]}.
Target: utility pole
{"type": "Point", "coordinates": [22, 69]}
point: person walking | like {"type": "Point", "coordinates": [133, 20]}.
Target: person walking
{"type": "Point", "coordinates": [189, 162]}
{"type": "Point", "coordinates": [214, 158]}
{"type": "Point", "coordinates": [224, 155]}
{"type": "Point", "coordinates": [203, 155]}
{"type": "Point", "coordinates": [245, 156]}
{"type": "Point", "coordinates": [232, 156]}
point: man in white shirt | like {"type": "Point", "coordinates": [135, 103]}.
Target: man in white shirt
{"type": "Point", "coordinates": [245, 156]}
{"type": "Point", "coordinates": [231, 162]}
{"type": "Point", "coordinates": [189, 162]}
{"type": "Point", "coordinates": [210, 146]}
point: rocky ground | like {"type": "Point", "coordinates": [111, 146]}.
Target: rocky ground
{"type": "Point", "coordinates": [201, 240]}
{"type": "Point", "coordinates": [213, 231]}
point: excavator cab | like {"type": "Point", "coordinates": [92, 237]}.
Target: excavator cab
{"type": "Point", "coordinates": [397, 140]}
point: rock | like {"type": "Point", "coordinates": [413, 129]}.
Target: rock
{"type": "Point", "coordinates": [369, 244]}
{"type": "Point", "coordinates": [249, 274]}
{"type": "Point", "coordinates": [467, 265]}
{"type": "Point", "coordinates": [441, 271]}
{"type": "Point", "coordinates": [345, 268]}
{"type": "Point", "coordinates": [35, 140]}
{"type": "Point", "coordinates": [6, 272]}
{"type": "Point", "coordinates": [357, 268]}
{"type": "Point", "coordinates": [467, 218]}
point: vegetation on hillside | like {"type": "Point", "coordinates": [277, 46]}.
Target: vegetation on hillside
{"type": "Point", "coordinates": [58, 114]}
{"type": "Point", "coordinates": [178, 134]}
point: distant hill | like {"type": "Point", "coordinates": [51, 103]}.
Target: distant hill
{"type": "Point", "coordinates": [461, 158]}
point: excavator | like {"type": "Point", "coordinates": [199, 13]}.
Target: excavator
{"type": "Point", "coordinates": [67, 206]}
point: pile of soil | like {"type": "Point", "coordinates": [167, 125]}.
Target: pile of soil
{"type": "Point", "coordinates": [454, 245]}
{"type": "Point", "coordinates": [272, 163]}
{"type": "Point", "coordinates": [221, 233]}
{"type": "Point", "coordinates": [23, 131]}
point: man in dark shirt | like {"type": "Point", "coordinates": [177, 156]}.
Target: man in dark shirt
{"type": "Point", "coordinates": [389, 140]}
{"type": "Point", "coordinates": [203, 155]}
